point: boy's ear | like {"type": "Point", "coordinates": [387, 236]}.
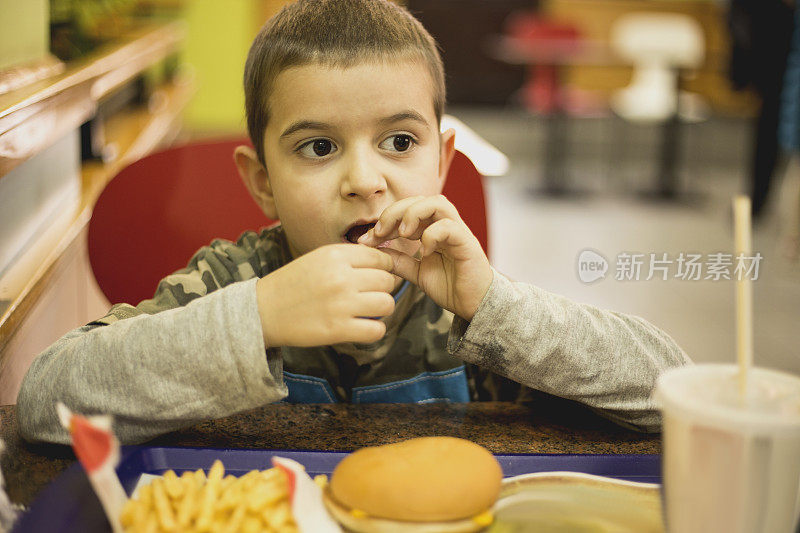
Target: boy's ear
{"type": "Point", "coordinates": [448, 150]}
{"type": "Point", "coordinates": [255, 178]}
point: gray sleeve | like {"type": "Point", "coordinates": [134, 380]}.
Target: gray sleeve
{"type": "Point", "coordinates": [156, 373]}
{"type": "Point", "coordinates": [608, 361]}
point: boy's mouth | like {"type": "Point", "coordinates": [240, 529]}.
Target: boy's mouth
{"type": "Point", "coordinates": [355, 232]}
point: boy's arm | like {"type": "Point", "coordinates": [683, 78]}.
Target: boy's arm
{"type": "Point", "coordinates": [179, 358]}
{"type": "Point", "coordinates": [607, 360]}
{"type": "Point", "coordinates": [167, 362]}
{"type": "Point", "coordinates": [156, 373]}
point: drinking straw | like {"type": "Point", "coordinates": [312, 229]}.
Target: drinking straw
{"type": "Point", "coordinates": [744, 291]}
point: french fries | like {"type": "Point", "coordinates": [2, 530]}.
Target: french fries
{"type": "Point", "coordinates": [257, 502]}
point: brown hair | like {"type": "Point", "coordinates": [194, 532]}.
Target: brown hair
{"type": "Point", "coordinates": [336, 33]}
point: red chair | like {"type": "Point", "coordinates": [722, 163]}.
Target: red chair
{"type": "Point", "coordinates": [549, 44]}
{"type": "Point", "coordinates": [157, 212]}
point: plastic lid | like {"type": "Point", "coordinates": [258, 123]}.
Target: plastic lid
{"type": "Point", "coordinates": [710, 393]}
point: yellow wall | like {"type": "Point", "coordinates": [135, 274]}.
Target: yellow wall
{"type": "Point", "coordinates": [219, 36]}
{"type": "Point", "coordinates": [24, 31]}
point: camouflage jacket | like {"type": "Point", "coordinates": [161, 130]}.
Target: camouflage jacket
{"type": "Point", "coordinates": [195, 351]}
{"type": "Point", "coordinates": [414, 347]}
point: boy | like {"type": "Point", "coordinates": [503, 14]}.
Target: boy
{"type": "Point", "coordinates": [372, 289]}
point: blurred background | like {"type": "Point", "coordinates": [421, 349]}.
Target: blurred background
{"type": "Point", "coordinates": [628, 125]}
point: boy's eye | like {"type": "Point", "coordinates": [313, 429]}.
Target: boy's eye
{"type": "Point", "coordinates": [398, 143]}
{"type": "Point", "coordinates": [318, 148]}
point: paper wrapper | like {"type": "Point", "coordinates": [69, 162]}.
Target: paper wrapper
{"type": "Point", "coordinates": [305, 497]}
{"type": "Point", "coordinates": [97, 450]}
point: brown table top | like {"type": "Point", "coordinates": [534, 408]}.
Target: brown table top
{"type": "Point", "coordinates": [546, 425]}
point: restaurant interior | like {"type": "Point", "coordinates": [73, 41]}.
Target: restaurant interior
{"type": "Point", "coordinates": [622, 127]}
{"type": "Point", "coordinates": [611, 137]}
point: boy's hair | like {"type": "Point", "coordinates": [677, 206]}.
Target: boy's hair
{"type": "Point", "coordinates": [335, 33]}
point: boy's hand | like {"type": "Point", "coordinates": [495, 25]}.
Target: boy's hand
{"type": "Point", "coordinates": [452, 270]}
{"type": "Point", "coordinates": [320, 297]}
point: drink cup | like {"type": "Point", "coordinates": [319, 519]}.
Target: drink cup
{"type": "Point", "coordinates": [731, 462]}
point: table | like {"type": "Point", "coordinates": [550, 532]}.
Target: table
{"type": "Point", "coordinates": [545, 425]}
{"type": "Point", "coordinates": [554, 55]}
{"type": "Point", "coordinates": [545, 59]}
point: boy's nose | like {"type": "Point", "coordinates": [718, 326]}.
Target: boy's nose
{"type": "Point", "coordinates": [362, 178]}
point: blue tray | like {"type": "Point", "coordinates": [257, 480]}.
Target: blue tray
{"type": "Point", "coordinates": [68, 504]}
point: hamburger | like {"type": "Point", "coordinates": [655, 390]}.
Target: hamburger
{"type": "Point", "coordinates": [428, 484]}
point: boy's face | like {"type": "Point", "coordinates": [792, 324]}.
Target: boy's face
{"type": "Point", "coordinates": [343, 144]}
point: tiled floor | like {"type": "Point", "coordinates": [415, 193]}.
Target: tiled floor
{"type": "Point", "coordinates": [538, 239]}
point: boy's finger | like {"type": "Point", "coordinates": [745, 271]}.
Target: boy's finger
{"type": "Point", "coordinates": [366, 257]}
{"type": "Point", "coordinates": [405, 266]}
{"type": "Point", "coordinates": [372, 304]}
{"type": "Point", "coordinates": [389, 219]}
{"type": "Point", "coordinates": [364, 330]}
{"type": "Point", "coordinates": [375, 280]}
{"type": "Point", "coordinates": [409, 217]}
{"type": "Point", "coordinates": [443, 234]}
{"type": "Point", "coordinates": [422, 214]}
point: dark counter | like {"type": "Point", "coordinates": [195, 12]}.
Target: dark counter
{"type": "Point", "coordinates": [547, 425]}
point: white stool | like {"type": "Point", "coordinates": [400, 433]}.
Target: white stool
{"type": "Point", "coordinates": [659, 45]}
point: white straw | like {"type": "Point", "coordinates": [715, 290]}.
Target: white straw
{"type": "Point", "coordinates": [744, 291]}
